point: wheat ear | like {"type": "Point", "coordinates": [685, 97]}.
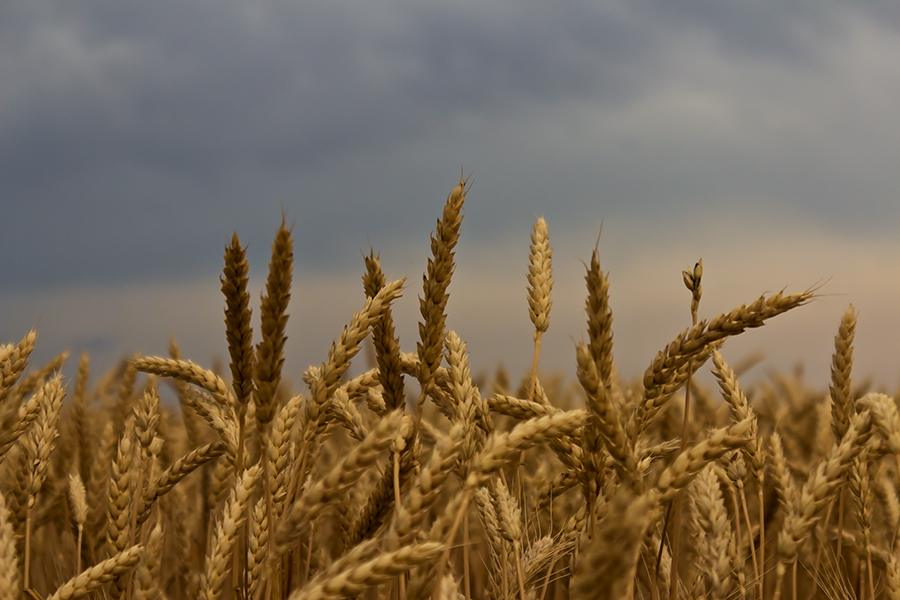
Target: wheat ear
{"type": "Point", "coordinates": [188, 372]}
{"type": "Point", "coordinates": [540, 283]}
{"type": "Point", "coordinates": [606, 567]}
{"type": "Point", "coordinates": [147, 576]}
{"type": "Point", "coordinates": [78, 502]}
{"type": "Point", "coordinates": [498, 448]}
{"type": "Point", "coordinates": [239, 336]}
{"type": "Point", "coordinates": [842, 408]}
{"type": "Point", "coordinates": [433, 303]}
{"type": "Point", "coordinates": [753, 452]}
{"type": "Point", "coordinates": [89, 580]}
{"type": "Point", "coordinates": [38, 445]}
{"type": "Point", "coordinates": [694, 344]}
{"type": "Point", "coordinates": [318, 496]}
{"type": "Point", "coordinates": [686, 465]}
{"type": "Point", "coordinates": [177, 471]}
{"type": "Point", "coordinates": [387, 346]}
{"type": "Point", "coordinates": [599, 317]}
{"type": "Point", "coordinates": [226, 532]}
{"type": "Point", "coordinates": [800, 519]}
{"type": "Point", "coordinates": [13, 364]}
{"type": "Point", "coordinates": [693, 282]}
{"type": "Point", "coordinates": [712, 532]}
{"type": "Point", "coordinates": [9, 563]}
{"type": "Point", "coordinates": [360, 576]}
{"type": "Point", "coordinates": [270, 356]}
{"type": "Point", "coordinates": [604, 424]}
{"type": "Point", "coordinates": [80, 418]}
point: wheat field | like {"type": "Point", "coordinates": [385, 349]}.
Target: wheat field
{"type": "Point", "coordinates": [416, 480]}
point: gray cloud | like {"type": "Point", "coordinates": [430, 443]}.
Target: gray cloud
{"type": "Point", "coordinates": [137, 136]}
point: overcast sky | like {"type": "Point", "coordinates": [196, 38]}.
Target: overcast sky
{"type": "Point", "coordinates": [762, 136]}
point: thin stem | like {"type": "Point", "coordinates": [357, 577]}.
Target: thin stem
{"type": "Point", "coordinates": [756, 567]}
{"type": "Point", "coordinates": [547, 580]}
{"type": "Point", "coordinates": [134, 520]}
{"type": "Point", "coordinates": [445, 555]}
{"type": "Point", "coordinates": [692, 281]}
{"type": "Point", "coordinates": [871, 575]}
{"type": "Point", "coordinates": [679, 499]}
{"type": "Point", "coordinates": [467, 583]}
{"type": "Point", "coordinates": [237, 580]}
{"type": "Point", "coordinates": [662, 544]}
{"type": "Point", "coordinates": [401, 578]}
{"type": "Point", "coordinates": [840, 531]}
{"type": "Point", "coordinates": [822, 541]}
{"type": "Point", "coordinates": [762, 534]}
{"type": "Point", "coordinates": [794, 581]}
{"type": "Point", "coordinates": [518, 551]}
{"type": "Point", "coordinates": [779, 580]}
{"type": "Point", "coordinates": [78, 555]}
{"type": "Point", "coordinates": [505, 570]}
{"type": "Point", "coordinates": [534, 365]}
{"type": "Point", "coordinates": [28, 524]}
{"type": "Point", "coordinates": [270, 510]}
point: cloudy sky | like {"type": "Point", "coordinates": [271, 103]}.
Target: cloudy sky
{"type": "Point", "coordinates": [762, 136]}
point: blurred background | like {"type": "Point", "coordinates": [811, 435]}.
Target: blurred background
{"type": "Point", "coordinates": [759, 135]}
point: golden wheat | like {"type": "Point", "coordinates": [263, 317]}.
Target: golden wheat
{"type": "Point", "coordinates": [556, 487]}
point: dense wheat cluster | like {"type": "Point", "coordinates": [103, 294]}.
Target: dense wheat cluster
{"type": "Point", "coordinates": [413, 480]}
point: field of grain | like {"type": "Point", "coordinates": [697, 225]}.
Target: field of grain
{"type": "Point", "coordinates": [414, 480]}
